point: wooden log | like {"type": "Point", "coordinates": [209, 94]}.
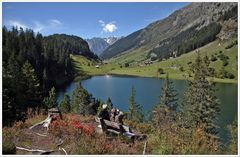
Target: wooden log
{"type": "Point", "coordinates": [34, 150]}
{"type": "Point", "coordinates": [44, 123]}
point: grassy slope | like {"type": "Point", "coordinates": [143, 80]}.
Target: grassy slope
{"type": "Point", "coordinates": [86, 66]}
{"type": "Point", "coordinates": [113, 67]}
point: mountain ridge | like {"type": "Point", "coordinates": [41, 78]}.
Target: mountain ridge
{"type": "Point", "coordinates": [195, 17]}
{"type": "Point", "coordinates": [98, 44]}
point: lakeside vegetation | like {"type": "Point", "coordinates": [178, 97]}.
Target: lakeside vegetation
{"type": "Point", "coordinates": [174, 128]}
{"type": "Point", "coordinates": [177, 68]}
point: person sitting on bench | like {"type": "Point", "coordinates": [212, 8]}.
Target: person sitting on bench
{"type": "Point", "coordinates": [104, 114]}
{"type": "Point", "coordinates": [119, 118]}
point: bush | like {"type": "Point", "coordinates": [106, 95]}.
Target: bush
{"type": "Point", "coordinates": [230, 75]}
{"type": "Point", "coordinates": [126, 65]}
{"type": "Point", "coordinates": [225, 62]}
{"type": "Point", "coordinates": [172, 139]}
{"type": "Point", "coordinates": [231, 44]}
{"type": "Point", "coordinates": [213, 58]}
{"type": "Point", "coordinates": [8, 147]}
{"type": "Point", "coordinates": [211, 71]}
{"type": "Point", "coordinates": [160, 71]}
{"type": "Point", "coordinates": [181, 69]}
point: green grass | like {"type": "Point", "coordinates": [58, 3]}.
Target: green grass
{"type": "Point", "coordinates": [85, 66]}
{"type": "Point", "coordinates": [170, 66]}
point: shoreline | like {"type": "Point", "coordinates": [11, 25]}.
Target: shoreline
{"type": "Point", "coordinates": [216, 80]}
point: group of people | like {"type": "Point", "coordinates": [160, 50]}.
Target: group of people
{"type": "Point", "coordinates": [115, 115]}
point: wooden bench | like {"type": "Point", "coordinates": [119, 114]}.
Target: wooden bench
{"type": "Point", "coordinates": [118, 129]}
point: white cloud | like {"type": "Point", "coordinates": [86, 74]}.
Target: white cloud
{"type": "Point", "coordinates": [108, 27]}
{"type": "Point", "coordinates": [38, 27]}
{"type": "Point", "coordinates": [55, 22]}
{"type": "Point", "coordinates": [17, 24]}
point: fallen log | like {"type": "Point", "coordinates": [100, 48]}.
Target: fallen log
{"type": "Point", "coordinates": [45, 123]}
{"type": "Point", "coordinates": [35, 150]}
{"type": "Point", "coordinates": [41, 135]}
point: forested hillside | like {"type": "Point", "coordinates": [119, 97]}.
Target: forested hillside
{"type": "Point", "coordinates": [70, 43]}
{"type": "Point", "coordinates": [32, 64]}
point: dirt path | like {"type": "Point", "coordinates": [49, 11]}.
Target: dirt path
{"type": "Point", "coordinates": [38, 139]}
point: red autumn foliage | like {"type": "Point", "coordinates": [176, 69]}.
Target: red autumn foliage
{"type": "Point", "coordinates": [71, 122]}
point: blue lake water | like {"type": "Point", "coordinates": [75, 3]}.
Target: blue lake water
{"type": "Point", "coordinates": [148, 90]}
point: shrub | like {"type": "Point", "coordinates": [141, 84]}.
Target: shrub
{"type": "Point", "coordinates": [231, 44]}
{"type": "Point", "coordinates": [213, 58]}
{"type": "Point", "coordinates": [9, 147]}
{"type": "Point", "coordinates": [126, 65]}
{"type": "Point", "coordinates": [172, 139]}
{"type": "Point", "coordinates": [230, 75]}
{"type": "Point", "coordinates": [181, 69]}
{"type": "Point", "coordinates": [224, 62]}
{"type": "Point", "coordinates": [160, 71]}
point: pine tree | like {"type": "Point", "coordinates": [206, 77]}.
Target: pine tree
{"type": "Point", "coordinates": [9, 108]}
{"type": "Point", "coordinates": [65, 105]}
{"type": "Point", "coordinates": [51, 100]}
{"type": "Point", "coordinates": [80, 100]}
{"type": "Point", "coordinates": [135, 110]}
{"type": "Point", "coordinates": [32, 91]}
{"type": "Point", "coordinates": [16, 86]}
{"type": "Point", "coordinates": [169, 96]}
{"type": "Point", "coordinates": [168, 105]}
{"type": "Point", "coordinates": [109, 103]}
{"type": "Point", "coordinates": [200, 101]}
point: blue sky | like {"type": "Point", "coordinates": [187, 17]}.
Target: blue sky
{"type": "Point", "coordinates": [86, 20]}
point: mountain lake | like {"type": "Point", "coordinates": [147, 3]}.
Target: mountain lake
{"type": "Point", "coordinates": [148, 90]}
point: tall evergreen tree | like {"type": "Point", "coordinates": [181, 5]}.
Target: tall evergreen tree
{"type": "Point", "coordinates": [65, 105]}
{"type": "Point", "coordinates": [51, 100]}
{"type": "Point", "coordinates": [135, 110]}
{"type": "Point", "coordinates": [32, 93]}
{"type": "Point", "coordinates": [80, 100]}
{"type": "Point", "coordinates": [200, 100]}
{"type": "Point", "coordinates": [168, 105]}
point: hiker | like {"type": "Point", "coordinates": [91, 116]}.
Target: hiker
{"type": "Point", "coordinates": [119, 118]}
{"type": "Point", "coordinates": [104, 113]}
{"type": "Point", "coordinates": [113, 114]}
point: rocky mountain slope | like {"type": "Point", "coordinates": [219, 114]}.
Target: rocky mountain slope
{"type": "Point", "coordinates": [184, 30]}
{"type": "Point", "coordinates": [98, 45]}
